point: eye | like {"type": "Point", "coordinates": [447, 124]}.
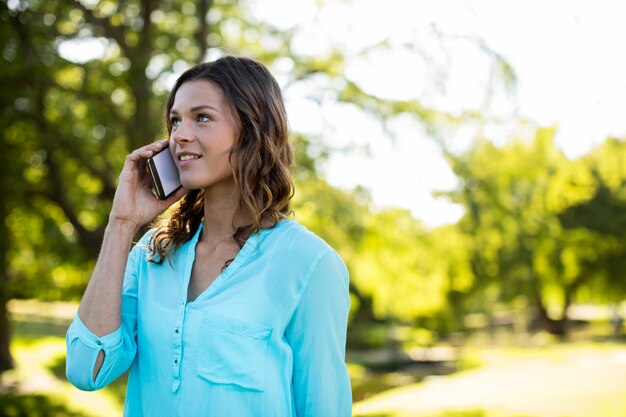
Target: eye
{"type": "Point", "coordinates": [174, 121]}
{"type": "Point", "coordinates": [203, 118]}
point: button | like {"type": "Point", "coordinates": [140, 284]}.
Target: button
{"type": "Point", "coordinates": [98, 343]}
{"type": "Point", "coordinates": [177, 330]}
{"type": "Point", "coordinates": [175, 360]}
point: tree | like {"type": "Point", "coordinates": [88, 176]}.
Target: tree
{"type": "Point", "coordinates": [602, 214]}
{"type": "Point", "coordinates": [525, 205]}
{"type": "Point", "coordinates": [70, 120]}
{"type": "Point", "coordinates": [67, 126]}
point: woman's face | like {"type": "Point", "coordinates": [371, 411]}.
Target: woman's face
{"type": "Point", "coordinates": [203, 132]}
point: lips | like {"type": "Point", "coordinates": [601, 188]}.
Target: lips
{"type": "Point", "coordinates": [187, 156]}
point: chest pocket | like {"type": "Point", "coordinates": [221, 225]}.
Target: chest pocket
{"type": "Point", "coordinates": [232, 352]}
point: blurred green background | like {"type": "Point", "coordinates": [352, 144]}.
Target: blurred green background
{"type": "Point", "coordinates": [514, 310]}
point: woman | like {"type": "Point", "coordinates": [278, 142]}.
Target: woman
{"type": "Point", "coordinates": [226, 308]}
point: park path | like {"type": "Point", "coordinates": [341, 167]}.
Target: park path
{"type": "Point", "coordinates": [571, 382]}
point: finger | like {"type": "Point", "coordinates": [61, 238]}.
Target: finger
{"type": "Point", "coordinates": [158, 145]}
{"type": "Point", "coordinates": [148, 150]}
{"type": "Point", "coordinates": [139, 154]}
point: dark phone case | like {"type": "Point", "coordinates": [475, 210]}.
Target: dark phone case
{"type": "Point", "coordinates": [156, 178]}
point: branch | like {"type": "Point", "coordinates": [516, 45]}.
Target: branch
{"type": "Point", "coordinates": [108, 187]}
{"type": "Point", "coordinates": [114, 32]}
{"type": "Point", "coordinates": [89, 240]}
{"type": "Point", "coordinates": [51, 130]}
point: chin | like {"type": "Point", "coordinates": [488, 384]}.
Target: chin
{"type": "Point", "coordinates": [195, 183]}
{"type": "Point", "coordinates": [190, 184]}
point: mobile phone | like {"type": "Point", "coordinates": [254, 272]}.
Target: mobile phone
{"type": "Point", "coordinates": [164, 173]}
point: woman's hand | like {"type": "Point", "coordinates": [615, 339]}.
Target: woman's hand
{"type": "Point", "coordinates": [134, 203]}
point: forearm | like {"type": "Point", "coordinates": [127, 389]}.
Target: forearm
{"type": "Point", "coordinates": [100, 308]}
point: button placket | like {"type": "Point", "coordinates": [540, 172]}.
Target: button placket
{"type": "Point", "coordinates": [177, 344]}
{"type": "Point", "coordinates": [182, 311]}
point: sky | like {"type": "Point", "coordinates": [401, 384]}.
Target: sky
{"type": "Point", "coordinates": [567, 55]}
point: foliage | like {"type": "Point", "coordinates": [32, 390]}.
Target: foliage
{"type": "Point", "coordinates": [602, 214]}
{"type": "Point", "coordinates": [68, 121]}
{"type": "Point", "coordinates": [533, 235]}
{"type": "Point", "coordinates": [539, 229]}
{"type": "Point", "coordinates": [393, 267]}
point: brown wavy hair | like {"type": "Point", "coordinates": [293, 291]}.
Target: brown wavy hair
{"type": "Point", "coordinates": [261, 157]}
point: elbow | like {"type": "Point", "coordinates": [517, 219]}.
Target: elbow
{"type": "Point", "coordinates": [80, 379]}
{"type": "Point", "coordinates": [79, 375]}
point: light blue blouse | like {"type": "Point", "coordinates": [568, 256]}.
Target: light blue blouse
{"type": "Point", "coordinates": [265, 339]}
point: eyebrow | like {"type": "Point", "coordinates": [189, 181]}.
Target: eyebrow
{"type": "Point", "coordinates": [196, 108]}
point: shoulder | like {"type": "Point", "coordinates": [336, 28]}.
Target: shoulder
{"type": "Point", "coordinates": [294, 245]}
{"type": "Point", "coordinates": [301, 256]}
{"type": "Point", "coordinates": [142, 247]}
{"type": "Point", "coordinates": [292, 237]}
{"type": "Point", "coordinates": [311, 262]}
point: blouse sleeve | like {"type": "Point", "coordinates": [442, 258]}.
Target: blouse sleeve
{"type": "Point", "coordinates": [119, 347]}
{"type": "Point", "coordinates": [317, 336]}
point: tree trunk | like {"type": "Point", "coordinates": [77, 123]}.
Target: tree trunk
{"type": "Point", "coordinates": [558, 327]}
{"type": "Point", "coordinates": [365, 312]}
{"type": "Point", "coordinates": [203, 28]}
{"type": "Point", "coordinates": [6, 361]}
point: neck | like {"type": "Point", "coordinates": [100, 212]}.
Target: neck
{"type": "Point", "coordinates": [222, 215]}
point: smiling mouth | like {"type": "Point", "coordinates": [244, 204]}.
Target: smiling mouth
{"type": "Point", "coordinates": [188, 157]}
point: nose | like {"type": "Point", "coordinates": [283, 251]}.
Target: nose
{"type": "Point", "coordinates": [182, 133]}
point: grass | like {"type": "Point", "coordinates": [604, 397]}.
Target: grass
{"type": "Point", "coordinates": [34, 388]}
{"type": "Point", "coordinates": [38, 386]}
